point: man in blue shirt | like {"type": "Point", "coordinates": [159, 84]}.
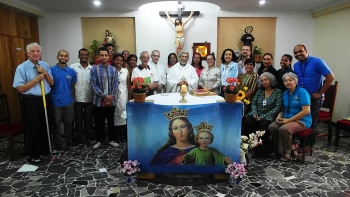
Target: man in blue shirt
{"type": "Point", "coordinates": [310, 71]}
{"type": "Point", "coordinates": [63, 100]}
{"type": "Point", "coordinates": [27, 80]}
{"type": "Point", "coordinates": [104, 82]}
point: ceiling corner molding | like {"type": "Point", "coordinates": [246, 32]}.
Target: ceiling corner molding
{"type": "Point", "coordinates": [23, 7]}
{"type": "Point", "coordinates": [331, 9]}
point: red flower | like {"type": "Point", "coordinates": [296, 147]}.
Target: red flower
{"type": "Point", "coordinates": [224, 88]}
{"type": "Point", "coordinates": [139, 87]}
{"type": "Point", "coordinates": [232, 88]}
{"type": "Point", "coordinates": [132, 87]}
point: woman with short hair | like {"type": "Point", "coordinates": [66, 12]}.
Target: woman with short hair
{"type": "Point", "coordinates": [294, 117]}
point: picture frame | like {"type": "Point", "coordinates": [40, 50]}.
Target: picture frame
{"type": "Point", "coordinates": [202, 48]}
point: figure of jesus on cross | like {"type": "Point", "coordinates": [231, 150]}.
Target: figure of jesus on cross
{"type": "Point", "coordinates": [180, 35]}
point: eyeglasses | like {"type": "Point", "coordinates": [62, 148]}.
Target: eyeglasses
{"type": "Point", "coordinates": [210, 59]}
{"type": "Point", "coordinates": [145, 57]}
{"type": "Point", "coordinates": [84, 54]}
{"type": "Point", "coordinates": [156, 55]}
{"type": "Point", "coordinates": [184, 56]}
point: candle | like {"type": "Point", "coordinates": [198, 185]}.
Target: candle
{"type": "Point", "coordinates": [183, 88]}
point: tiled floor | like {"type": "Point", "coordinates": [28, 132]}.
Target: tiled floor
{"type": "Point", "coordinates": [77, 173]}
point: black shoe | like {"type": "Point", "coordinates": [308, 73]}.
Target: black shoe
{"type": "Point", "coordinates": [34, 160]}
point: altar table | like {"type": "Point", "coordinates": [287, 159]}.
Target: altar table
{"type": "Point", "coordinates": [149, 131]}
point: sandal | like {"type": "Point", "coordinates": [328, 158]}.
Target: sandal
{"type": "Point", "coordinates": [286, 157]}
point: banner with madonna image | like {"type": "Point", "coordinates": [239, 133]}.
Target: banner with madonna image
{"type": "Point", "coordinates": [184, 138]}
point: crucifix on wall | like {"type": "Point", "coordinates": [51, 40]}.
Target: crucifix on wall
{"type": "Point", "coordinates": [179, 26]}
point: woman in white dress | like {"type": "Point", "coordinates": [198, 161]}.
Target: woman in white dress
{"type": "Point", "coordinates": [122, 99]}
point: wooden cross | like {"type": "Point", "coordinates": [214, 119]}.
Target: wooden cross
{"type": "Point", "coordinates": [179, 12]}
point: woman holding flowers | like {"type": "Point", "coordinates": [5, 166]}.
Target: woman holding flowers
{"type": "Point", "coordinates": [249, 80]}
{"type": "Point", "coordinates": [295, 117]}
{"type": "Point", "coordinates": [228, 68]}
{"type": "Point", "coordinates": [266, 104]}
{"type": "Point", "coordinates": [210, 77]}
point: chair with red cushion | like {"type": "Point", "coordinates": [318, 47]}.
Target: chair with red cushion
{"type": "Point", "coordinates": [344, 125]}
{"type": "Point", "coordinates": [304, 135]}
{"type": "Point", "coordinates": [325, 114]}
{"type": "Point", "coordinates": [7, 128]}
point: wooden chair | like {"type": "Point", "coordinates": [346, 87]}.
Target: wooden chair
{"type": "Point", "coordinates": [303, 135]}
{"type": "Point", "coordinates": [7, 128]}
{"type": "Point", "coordinates": [325, 114]}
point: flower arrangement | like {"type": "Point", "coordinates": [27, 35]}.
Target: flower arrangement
{"type": "Point", "coordinates": [252, 141]}
{"type": "Point", "coordinates": [236, 170]}
{"type": "Point", "coordinates": [235, 87]}
{"type": "Point", "coordinates": [131, 167]}
{"type": "Point", "coordinates": [137, 85]}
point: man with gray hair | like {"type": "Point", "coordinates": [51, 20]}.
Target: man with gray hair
{"type": "Point", "coordinates": [155, 55]}
{"type": "Point", "coordinates": [28, 77]}
{"type": "Point", "coordinates": [182, 73]}
{"type": "Point", "coordinates": [149, 73]}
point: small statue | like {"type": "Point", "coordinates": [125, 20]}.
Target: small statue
{"type": "Point", "coordinates": [248, 38]}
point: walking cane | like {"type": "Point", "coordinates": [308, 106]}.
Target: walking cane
{"type": "Point", "coordinates": [47, 122]}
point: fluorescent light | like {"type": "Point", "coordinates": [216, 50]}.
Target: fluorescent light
{"type": "Point", "coordinates": [261, 2]}
{"type": "Point", "coordinates": [97, 3]}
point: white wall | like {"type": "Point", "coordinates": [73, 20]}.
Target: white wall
{"type": "Point", "coordinates": [332, 43]}
{"type": "Point", "coordinates": [63, 30]}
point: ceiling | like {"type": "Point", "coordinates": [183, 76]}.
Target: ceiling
{"type": "Point", "coordinates": [133, 5]}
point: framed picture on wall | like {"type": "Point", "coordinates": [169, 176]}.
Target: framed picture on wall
{"type": "Point", "coordinates": [202, 48]}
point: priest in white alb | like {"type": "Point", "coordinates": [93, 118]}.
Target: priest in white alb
{"type": "Point", "coordinates": [180, 74]}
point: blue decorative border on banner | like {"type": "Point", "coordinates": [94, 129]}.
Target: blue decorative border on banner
{"type": "Point", "coordinates": [148, 130]}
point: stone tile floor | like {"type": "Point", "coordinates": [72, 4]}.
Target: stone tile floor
{"type": "Point", "coordinates": [76, 173]}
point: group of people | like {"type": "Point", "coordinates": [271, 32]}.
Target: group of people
{"type": "Point", "coordinates": [81, 91]}
{"type": "Point", "coordinates": [286, 101]}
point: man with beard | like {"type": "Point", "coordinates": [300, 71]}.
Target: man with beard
{"type": "Point", "coordinates": [83, 97]}
{"type": "Point", "coordinates": [63, 100]}
{"type": "Point", "coordinates": [155, 55]}
{"type": "Point", "coordinates": [104, 82]}
{"type": "Point", "coordinates": [28, 77]}
{"type": "Point", "coordinates": [180, 31]}
{"type": "Point", "coordinates": [310, 71]}
{"type": "Point", "coordinates": [245, 54]}
{"type": "Point", "coordinates": [182, 73]}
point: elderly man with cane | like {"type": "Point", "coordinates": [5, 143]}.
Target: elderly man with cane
{"type": "Point", "coordinates": [28, 77]}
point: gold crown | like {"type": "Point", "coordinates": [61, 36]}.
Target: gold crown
{"type": "Point", "coordinates": [176, 112]}
{"type": "Point", "coordinates": [203, 126]}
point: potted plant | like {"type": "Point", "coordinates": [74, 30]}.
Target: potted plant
{"type": "Point", "coordinates": [257, 51]}
{"type": "Point", "coordinates": [236, 172]}
{"type": "Point", "coordinates": [130, 169]}
{"type": "Point", "coordinates": [138, 89]}
{"type": "Point", "coordinates": [248, 142]}
{"type": "Point", "coordinates": [234, 91]}
{"type": "Point", "coordinates": [94, 49]}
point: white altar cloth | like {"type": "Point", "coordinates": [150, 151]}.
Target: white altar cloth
{"type": "Point", "coordinates": [174, 98]}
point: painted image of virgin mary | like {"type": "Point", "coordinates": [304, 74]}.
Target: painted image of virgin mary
{"type": "Point", "coordinates": [180, 138]}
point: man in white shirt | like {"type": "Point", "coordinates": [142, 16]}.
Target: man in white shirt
{"type": "Point", "coordinates": [145, 71]}
{"type": "Point", "coordinates": [83, 96]}
{"type": "Point", "coordinates": [155, 55]}
{"type": "Point", "coordinates": [245, 54]}
{"type": "Point", "coordinates": [180, 74]}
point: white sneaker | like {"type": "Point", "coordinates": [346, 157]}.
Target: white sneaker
{"type": "Point", "coordinates": [97, 145]}
{"type": "Point", "coordinates": [113, 143]}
